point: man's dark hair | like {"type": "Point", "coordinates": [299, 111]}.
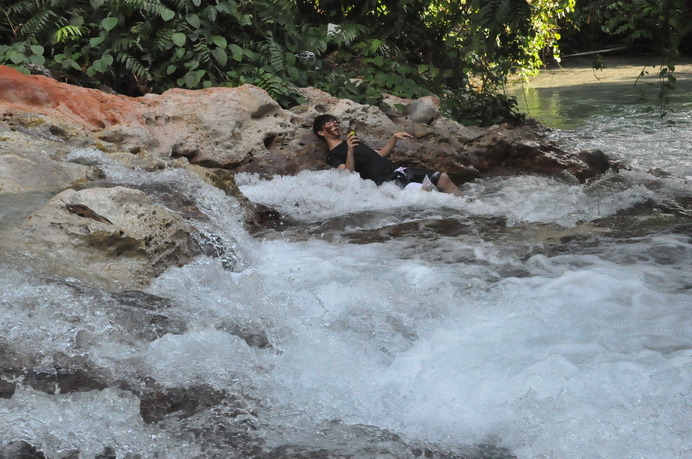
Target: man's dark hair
{"type": "Point", "coordinates": [319, 123]}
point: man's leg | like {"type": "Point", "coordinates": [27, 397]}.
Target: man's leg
{"type": "Point", "coordinates": [445, 184]}
{"type": "Point", "coordinates": [440, 179]}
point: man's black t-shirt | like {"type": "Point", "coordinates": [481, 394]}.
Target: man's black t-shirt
{"type": "Point", "coordinates": [368, 163]}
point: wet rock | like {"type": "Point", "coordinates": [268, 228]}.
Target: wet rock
{"type": "Point", "coordinates": [334, 440]}
{"type": "Point", "coordinates": [223, 424]}
{"type": "Point", "coordinates": [25, 168]}
{"type": "Point", "coordinates": [255, 337]}
{"type": "Point", "coordinates": [513, 150]}
{"type": "Point", "coordinates": [674, 216]}
{"type": "Point", "coordinates": [144, 315]}
{"type": "Point", "coordinates": [598, 161]}
{"type": "Point", "coordinates": [51, 380]}
{"type": "Point", "coordinates": [20, 450]}
{"type": "Point", "coordinates": [107, 453]}
{"type": "Point", "coordinates": [117, 237]}
{"type": "Point", "coordinates": [181, 402]}
{"type": "Point", "coordinates": [257, 216]}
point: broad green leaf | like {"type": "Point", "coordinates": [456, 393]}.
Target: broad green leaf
{"type": "Point", "coordinates": [91, 71]}
{"type": "Point", "coordinates": [178, 38]}
{"type": "Point", "coordinates": [108, 23]}
{"type": "Point", "coordinates": [38, 50]}
{"type": "Point", "coordinates": [96, 4]}
{"type": "Point", "coordinates": [107, 59]}
{"type": "Point", "coordinates": [237, 52]}
{"type": "Point", "coordinates": [94, 42]}
{"type": "Point", "coordinates": [167, 14]}
{"type": "Point", "coordinates": [191, 65]}
{"type": "Point", "coordinates": [16, 58]}
{"type": "Point", "coordinates": [294, 73]}
{"type": "Point", "coordinates": [192, 78]}
{"type": "Point", "coordinates": [219, 41]}
{"type": "Point", "coordinates": [193, 20]}
{"type": "Point", "coordinates": [196, 2]}
{"type": "Point", "coordinates": [250, 54]}
{"type": "Point", "coordinates": [220, 56]}
{"type": "Point", "coordinates": [37, 60]}
{"type": "Point", "coordinates": [171, 69]}
{"type": "Point", "coordinates": [375, 45]}
{"type": "Point", "coordinates": [99, 65]}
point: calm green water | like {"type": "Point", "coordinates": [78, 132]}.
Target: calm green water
{"type": "Point", "coordinates": [606, 110]}
{"type": "Point", "coordinates": [570, 96]}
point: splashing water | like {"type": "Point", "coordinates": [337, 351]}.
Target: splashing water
{"type": "Point", "coordinates": [542, 334]}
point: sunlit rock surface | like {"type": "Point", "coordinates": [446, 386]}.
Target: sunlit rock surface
{"type": "Point", "coordinates": [243, 129]}
{"type": "Point", "coordinates": [114, 235]}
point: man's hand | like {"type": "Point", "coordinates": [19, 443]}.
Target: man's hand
{"type": "Point", "coordinates": [352, 141]}
{"type": "Point", "coordinates": [402, 135]}
{"type": "Point", "coordinates": [391, 143]}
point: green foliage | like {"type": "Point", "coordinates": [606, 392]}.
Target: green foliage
{"type": "Point", "coordinates": [460, 51]}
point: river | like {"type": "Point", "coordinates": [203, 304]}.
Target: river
{"type": "Point", "coordinates": [536, 318]}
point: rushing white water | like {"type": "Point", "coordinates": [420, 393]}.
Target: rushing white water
{"type": "Point", "coordinates": [453, 340]}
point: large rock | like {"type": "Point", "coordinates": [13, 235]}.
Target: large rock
{"type": "Point", "coordinates": [115, 237]}
{"type": "Point", "coordinates": [216, 127]}
{"type": "Point", "coordinates": [464, 152]}
{"type": "Point", "coordinates": [25, 165]}
{"type": "Point", "coordinates": [243, 129]}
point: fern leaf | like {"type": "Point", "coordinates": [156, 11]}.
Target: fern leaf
{"type": "Point", "coordinates": [133, 66]}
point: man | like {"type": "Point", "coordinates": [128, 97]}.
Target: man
{"type": "Point", "coordinates": [372, 164]}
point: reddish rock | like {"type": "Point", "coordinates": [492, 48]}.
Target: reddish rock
{"type": "Point", "coordinates": [89, 108]}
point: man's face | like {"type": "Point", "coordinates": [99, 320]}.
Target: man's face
{"type": "Point", "coordinates": [332, 128]}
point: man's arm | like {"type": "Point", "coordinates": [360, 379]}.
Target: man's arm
{"type": "Point", "coordinates": [391, 143]}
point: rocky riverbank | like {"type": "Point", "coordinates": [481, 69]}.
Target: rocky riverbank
{"type": "Point", "coordinates": [61, 217]}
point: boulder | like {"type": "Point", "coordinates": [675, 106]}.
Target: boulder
{"type": "Point", "coordinates": [26, 167]}
{"type": "Point", "coordinates": [116, 237]}
{"type": "Point", "coordinates": [423, 110]}
{"type": "Point", "coordinates": [215, 127]}
{"type": "Point", "coordinates": [464, 152]}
